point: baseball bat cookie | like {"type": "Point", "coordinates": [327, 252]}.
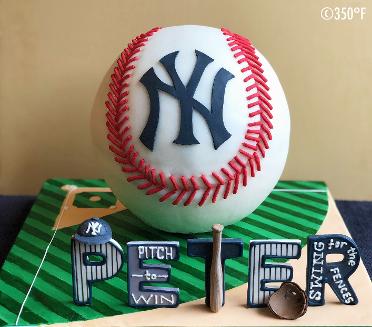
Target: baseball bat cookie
{"type": "Point", "coordinates": [216, 278]}
{"type": "Point", "coordinates": [192, 127]}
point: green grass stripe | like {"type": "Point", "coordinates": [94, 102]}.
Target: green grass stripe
{"type": "Point", "coordinates": [25, 235]}
{"type": "Point", "coordinates": [9, 307]}
{"type": "Point", "coordinates": [279, 233]}
{"type": "Point", "coordinates": [302, 203]}
{"type": "Point", "coordinates": [32, 302]}
{"type": "Point", "coordinates": [54, 285]}
{"type": "Point", "coordinates": [53, 199]}
{"type": "Point", "coordinates": [297, 227]}
{"type": "Point", "coordinates": [36, 221]}
{"type": "Point", "coordinates": [246, 225]}
{"type": "Point", "coordinates": [38, 235]}
{"type": "Point", "coordinates": [49, 221]}
{"type": "Point", "coordinates": [230, 232]}
{"type": "Point", "coordinates": [32, 251]}
{"type": "Point", "coordinates": [309, 185]}
{"type": "Point", "coordinates": [43, 232]}
{"type": "Point", "coordinates": [34, 235]}
{"type": "Point", "coordinates": [321, 198]}
{"type": "Point", "coordinates": [292, 199]}
{"type": "Point", "coordinates": [288, 220]}
{"type": "Point", "coordinates": [320, 189]}
{"type": "Point", "coordinates": [284, 230]}
{"type": "Point", "coordinates": [60, 194]}
{"type": "Point", "coordinates": [314, 196]}
{"type": "Point", "coordinates": [58, 197]}
{"type": "Point", "coordinates": [279, 185]}
{"type": "Point", "coordinates": [47, 202]}
{"type": "Point", "coordinates": [292, 210]}
{"type": "Point", "coordinates": [312, 184]}
{"type": "Point", "coordinates": [2, 322]}
{"type": "Point", "coordinates": [246, 235]}
{"type": "Point", "coordinates": [8, 304]}
{"type": "Point", "coordinates": [288, 216]}
{"type": "Point", "coordinates": [296, 200]}
{"type": "Point", "coordinates": [90, 182]}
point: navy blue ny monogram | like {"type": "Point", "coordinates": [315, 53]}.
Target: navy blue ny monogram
{"type": "Point", "coordinates": [185, 96]}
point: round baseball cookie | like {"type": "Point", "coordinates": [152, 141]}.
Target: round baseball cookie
{"type": "Point", "coordinates": [192, 127]}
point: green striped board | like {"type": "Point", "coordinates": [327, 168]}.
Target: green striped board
{"type": "Point", "coordinates": [36, 283]}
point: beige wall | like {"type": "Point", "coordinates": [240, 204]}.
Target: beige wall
{"type": "Point", "coordinates": [54, 53]}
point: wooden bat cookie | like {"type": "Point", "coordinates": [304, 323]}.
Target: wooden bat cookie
{"type": "Point", "coordinates": [216, 276]}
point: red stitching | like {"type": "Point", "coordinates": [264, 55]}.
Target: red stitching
{"type": "Point", "coordinates": [183, 189]}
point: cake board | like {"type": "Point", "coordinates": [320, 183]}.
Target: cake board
{"type": "Point", "coordinates": [36, 284]}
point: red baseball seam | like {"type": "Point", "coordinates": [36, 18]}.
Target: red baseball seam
{"type": "Point", "coordinates": [183, 189]}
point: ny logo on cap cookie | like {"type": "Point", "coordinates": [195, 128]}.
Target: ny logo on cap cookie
{"type": "Point", "coordinates": [94, 227]}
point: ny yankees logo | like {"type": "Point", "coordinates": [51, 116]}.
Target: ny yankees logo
{"type": "Point", "coordinates": [185, 96]}
{"type": "Point", "coordinates": [95, 227]}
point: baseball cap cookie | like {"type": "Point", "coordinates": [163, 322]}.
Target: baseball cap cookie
{"type": "Point", "coordinates": [93, 231]}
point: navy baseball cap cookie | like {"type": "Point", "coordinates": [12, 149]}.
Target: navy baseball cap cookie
{"type": "Point", "coordinates": [94, 231]}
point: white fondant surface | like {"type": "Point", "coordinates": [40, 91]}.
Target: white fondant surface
{"type": "Point", "coordinates": [193, 160]}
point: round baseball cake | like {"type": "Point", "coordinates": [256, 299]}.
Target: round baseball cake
{"type": "Point", "coordinates": [191, 126]}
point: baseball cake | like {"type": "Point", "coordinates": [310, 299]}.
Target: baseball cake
{"type": "Point", "coordinates": [192, 127]}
